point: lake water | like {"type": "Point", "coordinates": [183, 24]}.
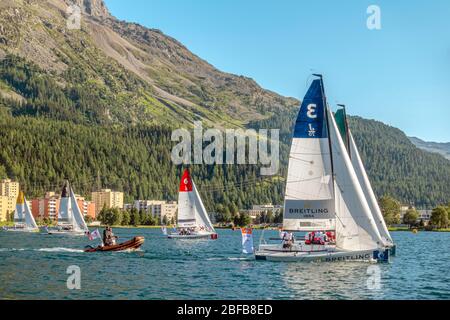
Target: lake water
{"type": "Point", "coordinates": [33, 266]}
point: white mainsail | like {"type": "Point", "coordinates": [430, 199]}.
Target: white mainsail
{"type": "Point", "coordinates": [29, 219]}
{"type": "Point", "coordinates": [309, 199]}
{"type": "Point", "coordinates": [200, 209]}
{"type": "Point", "coordinates": [78, 220]}
{"type": "Point", "coordinates": [368, 191]}
{"type": "Point", "coordinates": [23, 215]}
{"type": "Point", "coordinates": [65, 211]}
{"type": "Point", "coordinates": [355, 226]}
{"type": "Point", "coordinates": [19, 213]}
{"type": "Point", "coordinates": [191, 211]}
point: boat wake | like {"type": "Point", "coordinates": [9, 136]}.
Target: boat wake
{"type": "Point", "coordinates": [59, 250]}
{"type": "Point", "coordinates": [231, 259]}
{"type": "Point", "coordinates": [42, 250]}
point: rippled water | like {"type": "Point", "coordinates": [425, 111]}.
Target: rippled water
{"type": "Point", "coordinates": [33, 266]}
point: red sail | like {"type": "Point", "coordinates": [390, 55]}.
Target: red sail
{"type": "Point", "coordinates": [186, 182]}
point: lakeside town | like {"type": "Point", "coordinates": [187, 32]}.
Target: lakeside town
{"type": "Point", "coordinates": [107, 207]}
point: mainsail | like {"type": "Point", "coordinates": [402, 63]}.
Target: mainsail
{"type": "Point", "coordinates": [65, 211]}
{"type": "Point", "coordinates": [355, 226]}
{"type": "Point", "coordinates": [78, 222]}
{"type": "Point", "coordinates": [19, 213]}
{"type": "Point", "coordinates": [368, 192]}
{"type": "Point", "coordinates": [341, 121]}
{"type": "Point", "coordinates": [23, 213]}
{"type": "Point", "coordinates": [29, 219]}
{"type": "Point", "coordinates": [191, 211]}
{"type": "Point", "coordinates": [309, 199]}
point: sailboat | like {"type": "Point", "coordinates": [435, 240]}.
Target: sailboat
{"type": "Point", "coordinates": [70, 217]}
{"type": "Point", "coordinates": [23, 218]}
{"type": "Point", "coordinates": [193, 221]}
{"type": "Point", "coordinates": [347, 136]}
{"type": "Point", "coordinates": [323, 193]}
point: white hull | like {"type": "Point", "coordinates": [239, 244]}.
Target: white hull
{"type": "Point", "coordinates": [21, 230]}
{"type": "Point", "coordinates": [276, 253]}
{"type": "Point", "coordinates": [190, 236]}
{"type": "Point", "coordinates": [66, 233]}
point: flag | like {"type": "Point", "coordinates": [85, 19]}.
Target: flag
{"type": "Point", "coordinates": [164, 230]}
{"type": "Point", "coordinates": [247, 241]}
{"type": "Point", "coordinates": [94, 235]}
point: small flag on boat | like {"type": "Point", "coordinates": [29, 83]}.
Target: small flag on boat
{"type": "Point", "coordinates": [247, 241]}
{"type": "Point", "coordinates": [94, 235]}
{"type": "Point", "coordinates": [164, 230]}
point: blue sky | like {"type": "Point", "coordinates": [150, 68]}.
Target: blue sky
{"type": "Point", "coordinates": [399, 75]}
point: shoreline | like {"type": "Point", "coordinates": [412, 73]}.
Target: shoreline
{"type": "Point", "coordinates": [391, 229]}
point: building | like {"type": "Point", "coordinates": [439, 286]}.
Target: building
{"type": "Point", "coordinates": [107, 198]}
{"type": "Point", "coordinates": [4, 209]}
{"type": "Point", "coordinates": [9, 188]}
{"type": "Point", "coordinates": [425, 216]}
{"type": "Point", "coordinates": [257, 210]}
{"type": "Point", "coordinates": [159, 209]}
{"type": "Point", "coordinates": [48, 206]}
{"type": "Point", "coordinates": [9, 191]}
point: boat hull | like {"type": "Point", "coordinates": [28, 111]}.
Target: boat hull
{"type": "Point", "coordinates": [322, 256]}
{"type": "Point", "coordinates": [193, 236]}
{"type": "Point", "coordinates": [66, 233]}
{"type": "Point", "coordinates": [130, 245]}
{"type": "Point", "coordinates": [21, 230]}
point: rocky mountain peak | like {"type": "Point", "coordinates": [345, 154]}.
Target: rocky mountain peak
{"type": "Point", "coordinates": [95, 8]}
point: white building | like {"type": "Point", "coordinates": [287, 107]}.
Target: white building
{"type": "Point", "coordinates": [257, 210]}
{"type": "Point", "coordinates": [159, 209]}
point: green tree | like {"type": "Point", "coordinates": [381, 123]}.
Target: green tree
{"type": "Point", "coordinates": [390, 209]}
{"type": "Point", "coordinates": [439, 217]}
{"type": "Point", "coordinates": [135, 218]}
{"type": "Point", "coordinates": [411, 216]}
{"type": "Point", "coordinates": [126, 218]}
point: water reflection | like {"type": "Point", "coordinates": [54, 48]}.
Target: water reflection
{"type": "Point", "coordinates": [340, 280]}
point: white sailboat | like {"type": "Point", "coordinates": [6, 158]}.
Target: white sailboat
{"type": "Point", "coordinates": [193, 221]}
{"type": "Point", "coordinates": [341, 118]}
{"type": "Point", "coordinates": [70, 217]}
{"type": "Point", "coordinates": [23, 218]}
{"type": "Point", "coordinates": [323, 193]}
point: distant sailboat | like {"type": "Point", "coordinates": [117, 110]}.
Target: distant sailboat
{"type": "Point", "coordinates": [193, 220]}
{"type": "Point", "coordinates": [323, 193]}
{"type": "Point", "coordinates": [341, 120]}
{"type": "Point", "coordinates": [23, 218]}
{"type": "Point", "coordinates": [70, 217]}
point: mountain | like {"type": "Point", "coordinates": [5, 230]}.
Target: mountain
{"type": "Point", "coordinates": [112, 71]}
{"type": "Point", "coordinates": [97, 106]}
{"type": "Point", "coordinates": [435, 147]}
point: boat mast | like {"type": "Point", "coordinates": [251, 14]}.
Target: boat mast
{"type": "Point", "coordinates": [347, 131]}
{"type": "Point", "coordinates": [325, 105]}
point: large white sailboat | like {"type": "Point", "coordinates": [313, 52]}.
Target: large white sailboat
{"type": "Point", "coordinates": [70, 217]}
{"type": "Point", "coordinates": [323, 193]}
{"type": "Point", "coordinates": [23, 218]}
{"type": "Point", "coordinates": [347, 136]}
{"type": "Point", "coordinates": [193, 221]}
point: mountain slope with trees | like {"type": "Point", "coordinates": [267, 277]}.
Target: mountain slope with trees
{"type": "Point", "coordinates": [97, 106]}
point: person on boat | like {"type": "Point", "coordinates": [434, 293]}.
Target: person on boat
{"type": "Point", "coordinates": [288, 240]}
{"type": "Point", "coordinates": [109, 239]}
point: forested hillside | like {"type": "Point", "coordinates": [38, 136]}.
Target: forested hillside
{"type": "Point", "coordinates": [97, 106]}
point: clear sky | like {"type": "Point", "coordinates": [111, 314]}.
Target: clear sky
{"type": "Point", "coordinates": [399, 75]}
